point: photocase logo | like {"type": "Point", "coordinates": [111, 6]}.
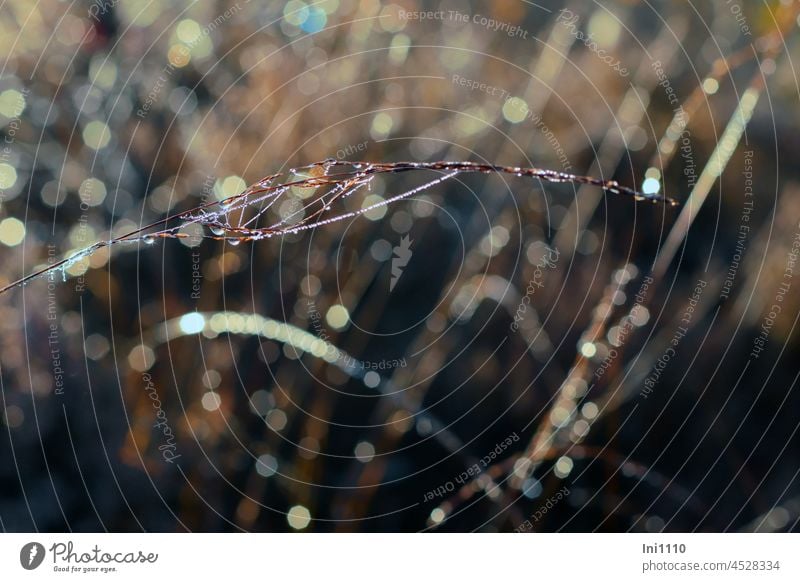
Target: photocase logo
{"type": "Point", "coordinates": [402, 254]}
{"type": "Point", "coordinates": [31, 555]}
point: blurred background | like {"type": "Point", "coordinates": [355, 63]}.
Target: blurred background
{"type": "Point", "coordinates": [493, 353]}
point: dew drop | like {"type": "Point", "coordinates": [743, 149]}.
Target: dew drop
{"type": "Point", "coordinates": [149, 240]}
{"type": "Point", "coordinates": [233, 241]}
{"type": "Point", "coordinates": [216, 230]}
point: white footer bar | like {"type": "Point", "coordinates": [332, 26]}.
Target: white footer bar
{"type": "Point", "coordinates": [406, 557]}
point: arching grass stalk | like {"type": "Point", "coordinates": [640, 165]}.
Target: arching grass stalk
{"type": "Point", "coordinates": [329, 181]}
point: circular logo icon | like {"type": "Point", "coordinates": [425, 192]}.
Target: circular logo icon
{"type": "Point", "coordinates": [31, 555]}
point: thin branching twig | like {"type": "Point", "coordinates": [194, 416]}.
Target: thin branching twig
{"type": "Point", "coordinates": [317, 209]}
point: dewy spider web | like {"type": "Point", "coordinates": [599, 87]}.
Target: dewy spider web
{"type": "Point", "coordinates": [228, 219]}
